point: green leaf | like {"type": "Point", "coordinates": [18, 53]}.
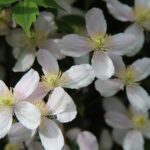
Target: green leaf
{"type": "Point", "coordinates": [7, 2]}
{"type": "Point", "coordinates": [24, 14]}
{"type": "Point", "coordinates": [47, 3]}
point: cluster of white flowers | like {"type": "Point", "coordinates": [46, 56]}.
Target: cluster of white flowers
{"type": "Point", "coordinates": [36, 105]}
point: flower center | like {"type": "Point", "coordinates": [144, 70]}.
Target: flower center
{"type": "Point", "coordinates": [138, 121]}
{"type": "Point", "coordinates": [42, 107]}
{"type": "Point", "coordinates": [100, 42]}
{"type": "Point", "coordinates": [52, 80]}
{"type": "Point", "coordinates": [7, 99]}
{"type": "Point", "coordinates": [142, 14]}
{"type": "Point", "coordinates": [128, 76]}
{"type": "Point", "coordinates": [11, 146]}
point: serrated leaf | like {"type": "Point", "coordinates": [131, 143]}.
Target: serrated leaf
{"type": "Point", "coordinates": [24, 13]}
{"type": "Point", "coordinates": [47, 3]}
{"type": "Point", "coordinates": [4, 2]}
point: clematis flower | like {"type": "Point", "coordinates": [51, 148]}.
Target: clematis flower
{"type": "Point", "coordinates": [139, 15]}
{"type": "Point", "coordinates": [24, 47]}
{"type": "Point", "coordinates": [129, 78]}
{"type": "Point", "coordinates": [13, 102]}
{"type": "Point", "coordinates": [76, 77]}
{"type": "Point", "coordinates": [98, 41]}
{"type": "Point", "coordinates": [130, 126]}
{"type": "Point", "coordinates": [61, 107]}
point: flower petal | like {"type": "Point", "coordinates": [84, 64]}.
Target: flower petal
{"type": "Point", "coordinates": [103, 66]}
{"type": "Point", "coordinates": [119, 135]}
{"type": "Point", "coordinates": [3, 87]}
{"type": "Point", "coordinates": [141, 66]}
{"type": "Point", "coordinates": [51, 135]}
{"type": "Point", "coordinates": [25, 61]}
{"type": "Point", "coordinates": [55, 47]}
{"type": "Point", "coordinates": [18, 133]}
{"type": "Point", "coordinates": [95, 22]}
{"type": "Point", "coordinates": [118, 64]}
{"type": "Point", "coordinates": [114, 104]}
{"type": "Point", "coordinates": [138, 97]}
{"type": "Point", "coordinates": [87, 141]}
{"type": "Point", "coordinates": [117, 120]}
{"type": "Point", "coordinates": [120, 11]}
{"type": "Point", "coordinates": [75, 45]}
{"type": "Point", "coordinates": [122, 43]}
{"type": "Point", "coordinates": [139, 3]}
{"type": "Point", "coordinates": [15, 38]}
{"type": "Point", "coordinates": [108, 87]}
{"type": "Point", "coordinates": [82, 60]}
{"type": "Point", "coordinates": [48, 24]}
{"type": "Point", "coordinates": [5, 121]}
{"type": "Point", "coordinates": [137, 31]}
{"type": "Point", "coordinates": [28, 115]}
{"type": "Point", "coordinates": [61, 105]}
{"type": "Point", "coordinates": [47, 61]}
{"type": "Point", "coordinates": [76, 77]}
{"type": "Point", "coordinates": [133, 141]}
{"type": "Point", "coordinates": [27, 84]}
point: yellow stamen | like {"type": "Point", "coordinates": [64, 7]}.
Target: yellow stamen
{"type": "Point", "coordinates": [142, 14]}
{"type": "Point", "coordinates": [52, 80]}
{"type": "Point", "coordinates": [139, 121]}
{"type": "Point", "coordinates": [11, 146]}
{"type": "Point", "coordinates": [42, 107]}
{"type": "Point", "coordinates": [7, 99]}
{"type": "Point", "coordinates": [100, 42]}
{"type": "Point", "coordinates": [128, 76]}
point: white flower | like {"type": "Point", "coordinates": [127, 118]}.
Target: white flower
{"type": "Point", "coordinates": [61, 107]}
{"type": "Point", "coordinates": [87, 141]}
{"type": "Point", "coordinates": [98, 41]}
{"type": "Point", "coordinates": [129, 125]}
{"type": "Point", "coordinates": [139, 15]}
{"type": "Point", "coordinates": [76, 77]}
{"type": "Point", "coordinates": [24, 47]}
{"type": "Point", "coordinates": [128, 77]}
{"type": "Point", "coordinates": [13, 102]}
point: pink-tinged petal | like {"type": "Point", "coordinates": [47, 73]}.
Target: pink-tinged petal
{"type": "Point", "coordinates": [39, 93]}
{"type": "Point", "coordinates": [119, 135]}
{"type": "Point", "coordinates": [120, 11]}
{"type": "Point", "coordinates": [55, 47]}
{"type": "Point", "coordinates": [45, 23]}
{"type": "Point", "coordinates": [78, 76]}
{"type": "Point", "coordinates": [137, 31]}
{"type": "Point", "coordinates": [114, 104]}
{"type": "Point", "coordinates": [108, 87]}
{"type": "Point", "coordinates": [118, 64]}
{"type": "Point", "coordinates": [18, 133]}
{"type": "Point", "coordinates": [133, 141]}
{"type": "Point", "coordinates": [75, 45]}
{"type": "Point", "coordinates": [61, 105]}
{"type": "Point", "coordinates": [47, 61]}
{"type": "Point", "coordinates": [141, 66]}
{"type": "Point", "coordinates": [3, 87]}
{"type": "Point", "coordinates": [138, 97]}
{"type": "Point", "coordinates": [25, 61]}
{"type": "Point", "coordinates": [5, 121]}
{"type": "Point", "coordinates": [102, 65]}
{"type": "Point", "coordinates": [28, 115]}
{"type": "Point", "coordinates": [50, 135]}
{"type": "Point", "coordinates": [95, 22]}
{"type": "Point", "coordinates": [87, 141]}
{"type": "Point", "coordinates": [117, 120]}
{"type": "Point", "coordinates": [122, 43]}
{"type": "Point", "coordinates": [27, 84]}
